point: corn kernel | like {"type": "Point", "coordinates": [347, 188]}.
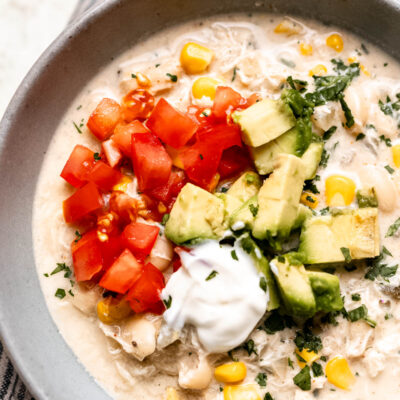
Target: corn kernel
{"type": "Point", "coordinates": [305, 49]}
{"type": "Point", "coordinates": [142, 80]}
{"type": "Point", "coordinates": [308, 356]}
{"type": "Point", "coordinates": [241, 392]}
{"type": "Point", "coordinates": [309, 199]}
{"type": "Point", "coordinates": [396, 155]}
{"type": "Point", "coordinates": [195, 58]}
{"type": "Point", "coordinates": [175, 156]}
{"type": "Point", "coordinates": [172, 394]}
{"type": "Point", "coordinates": [112, 310]}
{"type": "Point", "coordinates": [335, 41]}
{"type": "Point", "coordinates": [339, 191]}
{"type": "Point", "coordinates": [339, 373]}
{"type": "Point", "coordinates": [205, 86]}
{"type": "Point", "coordinates": [162, 209]}
{"type": "Point", "coordinates": [318, 70]}
{"type": "Point", "coordinates": [231, 372]}
{"type": "Point", "coordinates": [287, 27]}
{"type": "Point", "coordinates": [362, 67]}
{"type": "Point", "coordinates": [122, 185]}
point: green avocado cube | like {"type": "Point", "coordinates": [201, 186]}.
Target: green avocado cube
{"type": "Point", "coordinates": [246, 186]}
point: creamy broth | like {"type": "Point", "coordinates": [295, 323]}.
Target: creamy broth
{"type": "Point", "coordinates": [249, 57]}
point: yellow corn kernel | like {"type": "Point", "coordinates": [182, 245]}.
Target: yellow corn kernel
{"type": "Point", "coordinates": [335, 41]}
{"type": "Point", "coordinates": [122, 185]}
{"type": "Point", "coordinates": [396, 155]}
{"type": "Point", "coordinates": [231, 372]}
{"type": "Point", "coordinates": [309, 199]}
{"type": "Point", "coordinates": [112, 310]}
{"type": "Point", "coordinates": [339, 373]}
{"type": "Point", "coordinates": [143, 80]}
{"type": "Point", "coordinates": [172, 394]}
{"type": "Point", "coordinates": [287, 27]}
{"type": "Point", "coordinates": [241, 392]}
{"type": "Point", "coordinates": [205, 86]}
{"type": "Point", "coordinates": [339, 190]}
{"type": "Point", "coordinates": [362, 67]}
{"type": "Point", "coordinates": [308, 356]}
{"type": "Point", "coordinates": [162, 209]}
{"type": "Point", "coordinates": [305, 49]}
{"type": "Point", "coordinates": [195, 58]}
{"type": "Point", "coordinates": [175, 156]}
{"type": "Point", "coordinates": [318, 70]}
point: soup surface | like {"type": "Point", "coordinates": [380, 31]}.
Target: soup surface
{"type": "Point", "coordinates": [220, 305]}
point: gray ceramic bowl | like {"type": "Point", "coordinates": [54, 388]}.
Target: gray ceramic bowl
{"type": "Point", "coordinates": [43, 359]}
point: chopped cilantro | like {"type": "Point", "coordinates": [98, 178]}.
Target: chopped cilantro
{"type": "Point", "coordinates": [157, 65]}
{"type": "Point", "coordinates": [393, 228]}
{"type": "Point", "coordinates": [133, 76]}
{"type": "Point", "coordinates": [328, 134]}
{"type": "Point", "coordinates": [60, 293]}
{"type": "Point", "coordinates": [324, 211]}
{"type": "Point", "coordinates": [46, 275]}
{"type": "Point", "coordinates": [386, 252]}
{"type": "Point", "coordinates": [361, 313]}
{"type": "Point", "coordinates": [168, 302]}
{"type": "Point", "coordinates": [261, 379]}
{"type": "Point", "coordinates": [324, 358]}
{"type": "Point", "coordinates": [263, 284]}
{"type": "Point", "coordinates": [347, 112]}
{"type": "Point", "coordinates": [165, 219]}
{"type": "Point", "coordinates": [346, 254]}
{"type": "Point", "coordinates": [234, 255]}
{"type": "Point", "coordinates": [62, 267]}
{"type": "Point", "coordinates": [360, 136]}
{"type": "Point", "coordinates": [324, 158]}
{"type": "Point", "coordinates": [212, 275]}
{"type": "Point", "coordinates": [281, 259]}
{"type": "Point", "coordinates": [253, 209]}
{"type": "Point", "coordinates": [307, 340]}
{"type": "Point", "coordinates": [224, 189]}
{"type": "Point", "coordinates": [364, 48]}
{"type": "Point", "coordinates": [311, 187]}
{"type": "Point", "coordinates": [290, 363]}
{"type": "Point", "coordinates": [96, 156]}
{"type": "Point", "coordinates": [310, 199]}
{"type": "Point", "coordinates": [234, 74]}
{"type": "Point", "coordinates": [303, 379]}
{"type": "Point", "coordinates": [250, 178]}
{"type": "Point", "coordinates": [201, 156]}
{"type": "Point", "coordinates": [356, 297]}
{"type": "Point", "coordinates": [173, 78]}
{"type": "Point", "coordinates": [71, 293]}
{"type": "Point", "coordinates": [317, 369]}
{"type": "Point", "coordinates": [386, 140]}
{"type": "Point", "coordinates": [250, 347]}
{"type": "Point", "coordinates": [268, 396]}
{"type": "Point", "coordinates": [389, 169]}
{"type": "Point", "coordinates": [388, 316]}
{"type": "Point", "coordinates": [78, 237]}
{"type": "Point", "coordinates": [276, 322]}
{"type": "Point", "coordinates": [77, 127]}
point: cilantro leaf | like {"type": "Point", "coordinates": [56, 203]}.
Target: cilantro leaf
{"type": "Point", "coordinates": [303, 379]}
{"type": "Point", "coordinates": [393, 228]}
{"type": "Point", "coordinates": [261, 379]}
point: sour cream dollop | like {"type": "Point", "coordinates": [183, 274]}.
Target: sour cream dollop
{"type": "Point", "coordinates": [217, 294]}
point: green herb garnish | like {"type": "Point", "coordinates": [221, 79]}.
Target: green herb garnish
{"type": "Point", "coordinates": [389, 169]}
{"type": "Point", "coordinates": [346, 254]}
{"type": "Point", "coordinates": [96, 156]}
{"type": "Point", "coordinates": [393, 228]}
{"type": "Point", "coordinates": [173, 78]}
{"type": "Point", "coordinates": [253, 209]}
{"type": "Point", "coordinates": [263, 284]}
{"type": "Point", "coordinates": [317, 369]}
{"type": "Point", "coordinates": [303, 379]}
{"type": "Point", "coordinates": [77, 127]}
{"type": "Point", "coordinates": [60, 293]}
{"type": "Point", "coordinates": [212, 275]}
{"type": "Point", "coordinates": [261, 379]}
{"type": "Point", "coordinates": [168, 302]}
{"type": "Point", "coordinates": [165, 219]}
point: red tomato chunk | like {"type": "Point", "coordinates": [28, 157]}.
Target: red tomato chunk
{"type": "Point", "coordinates": [171, 189]}
{"type": "Point", "coordinates": [145, 293]}
{"type": "Point", "coordinates": [86, 256]}
{"type": "Point", "coordinates": [104, 119]}
{"type": "Point", "coordinates": [78, 166]}
{"type": "Point", "coordinates": [112, 152]}
{"type": "Point", "coordinates": [226, 100]}
{"type": "Point", "coordinates": [111, 250]}
{"type": "Point", "coordinates": [104, 176]}
{"type": "Point", "coordinates": [233, 161]}
{"type": "Point", "coordinates": [82, 202]}
{"type": "Point", "coordinates": [124, 272]}
{"type": "Point", "coordinates": [137, 104]}
{"type": "Point", "coordinates": [139, 238]}
{"type": "Point", "coordinates": [151, 163]}
{"type": "Point", "coordinates": [171, 126]}
{"type": "Point", "coordinates": [123, 135]}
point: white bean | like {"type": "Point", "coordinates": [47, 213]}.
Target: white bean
{"type": "Point", "coordinates": [195, 377]}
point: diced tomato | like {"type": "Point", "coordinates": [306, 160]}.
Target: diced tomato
{"type": "Point", "coordinates": [112, 152]}
{"type": "Point", "coordinates": [84, 201]}
{"type": "Point", "coordinates": [145, 293]}
{"type": "Point", "coordinates": [151, 163]}
{"type": "Point", "coordinates": [137, 104]}
{"type": "Point", "coordinates": [123, 135]}
{"type": "Point", "coordinates": [78, 166]}
{"type": "Point", "coordinates": [221, 136]}
{"type": "Point", "coordinates": [171, 189]}
{"type": "Point", "coordinates": [226, 100]}
{"type": "Point", "coordinates": [253, 99]}
{"type": "Point", "coordinates": [125, 206]}
{"type": "Point", "coordinates": [111, 249]}
{"type": "Point", "coordinates": [170, 125]}
{"type": "Point", "coordinates": [233, 161]}
{"type": "Point", "coordinates": [104, 176]}
{"type": "Point", "coordinates": [124, 272]}
{"type": "Point", "coordinates": [176, 264]}
{"type": "Point", "coordinates": [139, 238]}
{"type": "Point", "coordinates": [104, 118]}
{"type": "Point", "coordinates": [86, 256]}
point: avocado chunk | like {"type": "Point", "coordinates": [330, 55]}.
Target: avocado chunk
{"type": "Point", "coordinates": [244, 216]}
{"type": "Point", "coordinates": [323, 238]}
{"type": "Point", "coordinates": [304, 292]}
{"type": "Point", "coordinates": [231, 204]}
{"type": "Point", "coordinates": [262, 264]}
{"type": "Point", "coordinates": [311, 159]}
{"type": "Point", "coordinates": [246, 186]}
{"type": "Point", "coordinates": [326, 289]}
{"type": "Point", "coordinates": [264, 156]}
{"type": "Point", "coordinates": [264, 121]}
{"type": "Point", "coordinates": [366, 197]}
{"type": "Point", "coordinates": [279, 198]}
{"type": "Point", "coordinates": [294, 288]}
{"type": "Point", "coordinates": [303, 212]}
{"type": "Point", "coordinates": [196, 214]}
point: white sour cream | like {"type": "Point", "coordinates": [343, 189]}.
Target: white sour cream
{"type": "Point", "coordinates": [225, 309]}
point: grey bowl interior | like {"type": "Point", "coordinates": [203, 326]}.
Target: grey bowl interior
{"type": "Point", "coordinates": [44, 360]}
